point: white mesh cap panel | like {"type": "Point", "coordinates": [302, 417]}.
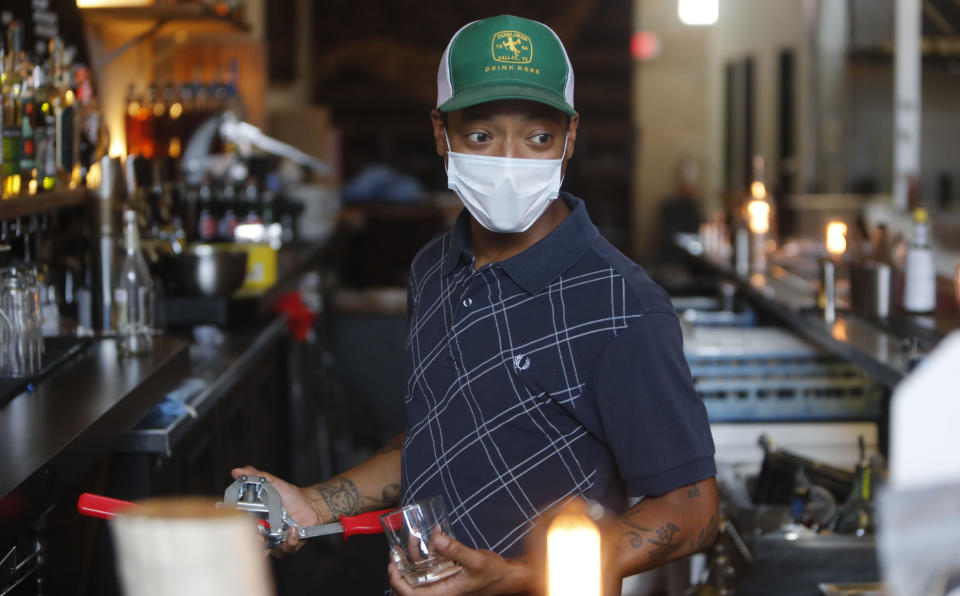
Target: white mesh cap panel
{"type": "Point", "coordinates": [568, 89]}
{"type": "Point", "coordinates": [444, 84]}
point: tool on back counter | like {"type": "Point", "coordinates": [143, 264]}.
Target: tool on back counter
{"type": "Point", "coordinates": [779, 472]}
{"type": "Point", "coordinates": [259, 498]}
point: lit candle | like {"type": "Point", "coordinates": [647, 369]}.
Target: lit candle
{"type": "Point", "coordinates": [836, 239]}
{"type": "Point", "coordinates": [573, 555]}
{"type": "Point", "coordinates": [836, 246]}
{"type": "Point", "coordinates": [758, 214]}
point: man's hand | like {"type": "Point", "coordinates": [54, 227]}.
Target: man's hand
{"type": "Point", "coordinates": [294, 500]}
{"type": "Point", "coordinates": [484, 573]}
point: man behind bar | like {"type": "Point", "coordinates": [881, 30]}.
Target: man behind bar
{"type": "Point", "coordinates": [544, 365]}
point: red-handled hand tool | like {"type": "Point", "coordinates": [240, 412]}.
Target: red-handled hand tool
{"type": "Point", "coordinates": [252, 496]}
{"type": "Point", "coordinates": [103, 507]}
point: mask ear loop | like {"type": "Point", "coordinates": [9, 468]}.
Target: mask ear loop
{"type": "Point", "coordinates": [449, 150]}
{"type": "Point", "coordinates": [562, 157]}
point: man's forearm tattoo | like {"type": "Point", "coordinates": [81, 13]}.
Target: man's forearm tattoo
{"type": "Point", "coordinates": [664, 539]}
{"type": "Point", "coordinates": [665, 544]}
{"type": "Point", "coordinates": [636, 539]}
{"type": "Point", "coordinates": [707, 535]}
{"type": "Point", "coordinates": [342, 497]}
{"type": "Point", "coordinates": [693, 491]}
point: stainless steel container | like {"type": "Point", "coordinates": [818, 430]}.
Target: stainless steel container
{"type": "Point", "coordinates": [206, 270]}
{"type": "Point", "coordinates": [870, 289]}
{"type": "Point", "coordinates": [109, 193]}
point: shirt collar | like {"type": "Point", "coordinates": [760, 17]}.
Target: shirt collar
{"type": "Point", "coordinates": [543, 262]}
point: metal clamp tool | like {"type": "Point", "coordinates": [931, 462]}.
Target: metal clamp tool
{"type": "Point", "coordinates": [259, 498]}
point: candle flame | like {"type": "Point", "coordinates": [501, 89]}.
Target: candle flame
{"type": "Point", "coordinates": [758, 215]}
{"type": "Point", "coordinates": [758, 190]}
{"type": "Point", "coordinates": [573, 556]}
{"type": "Point", "coordinates": [836, 238]}
{"type": "Point", "coordinates": [839, 330]}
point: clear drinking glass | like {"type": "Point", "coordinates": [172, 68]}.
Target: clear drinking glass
{"type": "Point", "coordinates": [410, 532]}
{"type": "Point", "coordinates": [20, 302]}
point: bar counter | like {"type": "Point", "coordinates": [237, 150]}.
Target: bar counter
{"type": "Point", "coordinates": [51, 435]}
{"type": "Point", "coordinates": [887, 348]}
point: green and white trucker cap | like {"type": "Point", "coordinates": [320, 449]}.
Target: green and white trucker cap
{"type": "Point", "coordinates": [505, 57]}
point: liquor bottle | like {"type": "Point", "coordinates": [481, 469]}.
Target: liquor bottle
{"type": "Point", "coordinates": [130, 122]}
{"type": "Point", "coordinates": [227, 211]}
{"type": "Point", "coordinates": [28, 146]}
{"type": "Point", "coordinates": [175, 122]}
{"type": "Point", "coordinates": [3, 77]}
{"type": "Point", "coordinates": [12, 114]}
{"type": "Point", "coordinates": [45, 128]}
{"type": "Point", "coordinates": [206, 219]}
{"type": "Point", "coordinates": [251, 202]}
{"type": "Point", "coordinates": [147, 117]}
{"type": "Point", "coordinates": [162, 123]}
{"type": "Point", "coordinates": [920, 275]}
{"type": "Point", "coordinates": [133, 294]}
{"type": "Point", "coordinates": [65, 114]}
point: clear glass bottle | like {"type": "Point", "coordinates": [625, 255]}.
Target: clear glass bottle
{"type": "Point", "coordinates": [920, 274]}
{"type": "Point", "coordinates": [133, 294]}
{"type": "Point", "coordinates": [12, 113]}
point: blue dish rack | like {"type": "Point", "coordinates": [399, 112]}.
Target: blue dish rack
{"type": "Point", "coordinates": [750, 374]}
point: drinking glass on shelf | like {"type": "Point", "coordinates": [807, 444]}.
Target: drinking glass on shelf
{"type": "Point", "coordinates": [20, 302]}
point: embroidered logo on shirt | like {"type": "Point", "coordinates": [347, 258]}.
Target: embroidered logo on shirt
{"type": "Point", "coordinates": [521, 362]}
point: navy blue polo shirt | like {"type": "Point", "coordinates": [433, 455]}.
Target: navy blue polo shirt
{"type": "Point", "coordinates": [557, 372]}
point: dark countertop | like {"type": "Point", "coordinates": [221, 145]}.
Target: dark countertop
{"type": "Point", "coordinates": [886, 349]}
{"type": "Point", "coordinates": [217, 367]}
{"type": "Point", "coordinates": [52, 435]}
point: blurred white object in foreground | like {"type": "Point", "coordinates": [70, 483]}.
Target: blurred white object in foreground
{"type": "Point", "coordinates": [187, 547]}
{"type": "Point", "coordinates": [919, 525]}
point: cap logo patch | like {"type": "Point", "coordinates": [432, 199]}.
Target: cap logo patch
{"type": "Point", "coordinates": [512, 47]}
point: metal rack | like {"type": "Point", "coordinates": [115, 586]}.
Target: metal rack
{"type": "Point", "coordinates": [766, 373]}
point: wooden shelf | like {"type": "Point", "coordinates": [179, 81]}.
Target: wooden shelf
{"type": "Point", "coordinates": [179, 13]}
{"type": "Point", "coordinates": [26, 205]}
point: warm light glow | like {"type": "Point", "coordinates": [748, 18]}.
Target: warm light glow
{"type": "Point", "coordinates": [839, 330]}
{"type": "Point", "coordinates": [174, 149]}
{"type": "Point", "coordinates": [836, 238]}
{"type": "Point", "coordinates": [175, 110]}
{"type": "Point", "coordinates": [69, 97]}
{"type": "Point", "coordinates": [758, 216]}
{"type": "Point", "coordinates": [758, 280]}
{"type": "Point", "coordinates": [93, 175]}
{"type": "Point", "coordinates": [573, 556]}
{"type": "Point", "coordinates": [112, 3]}
{"type": "Point", "coordinates": [758, 190]}
{"type": "Point", "coordinates": [132, 108]}
{"type": "Point", "coordinates": [118, 146]}
{"type": "Point", "coordinates": [158, 109]}
{"type": "Point", "coordinates": [698, 12]}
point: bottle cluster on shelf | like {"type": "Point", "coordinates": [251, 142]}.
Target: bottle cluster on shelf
{"type": "Point", "coordinates": [160, 120]}
{"type": "Point", "coordinates": [52, 131]}
{"type": "Point", "coordinates": [209, 210]}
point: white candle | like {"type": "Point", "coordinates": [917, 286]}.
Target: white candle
{"type": "Point", "coordinates": [573, 555]}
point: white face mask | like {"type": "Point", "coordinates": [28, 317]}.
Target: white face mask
{"type": "Point", "coordinates": [504, 194]}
